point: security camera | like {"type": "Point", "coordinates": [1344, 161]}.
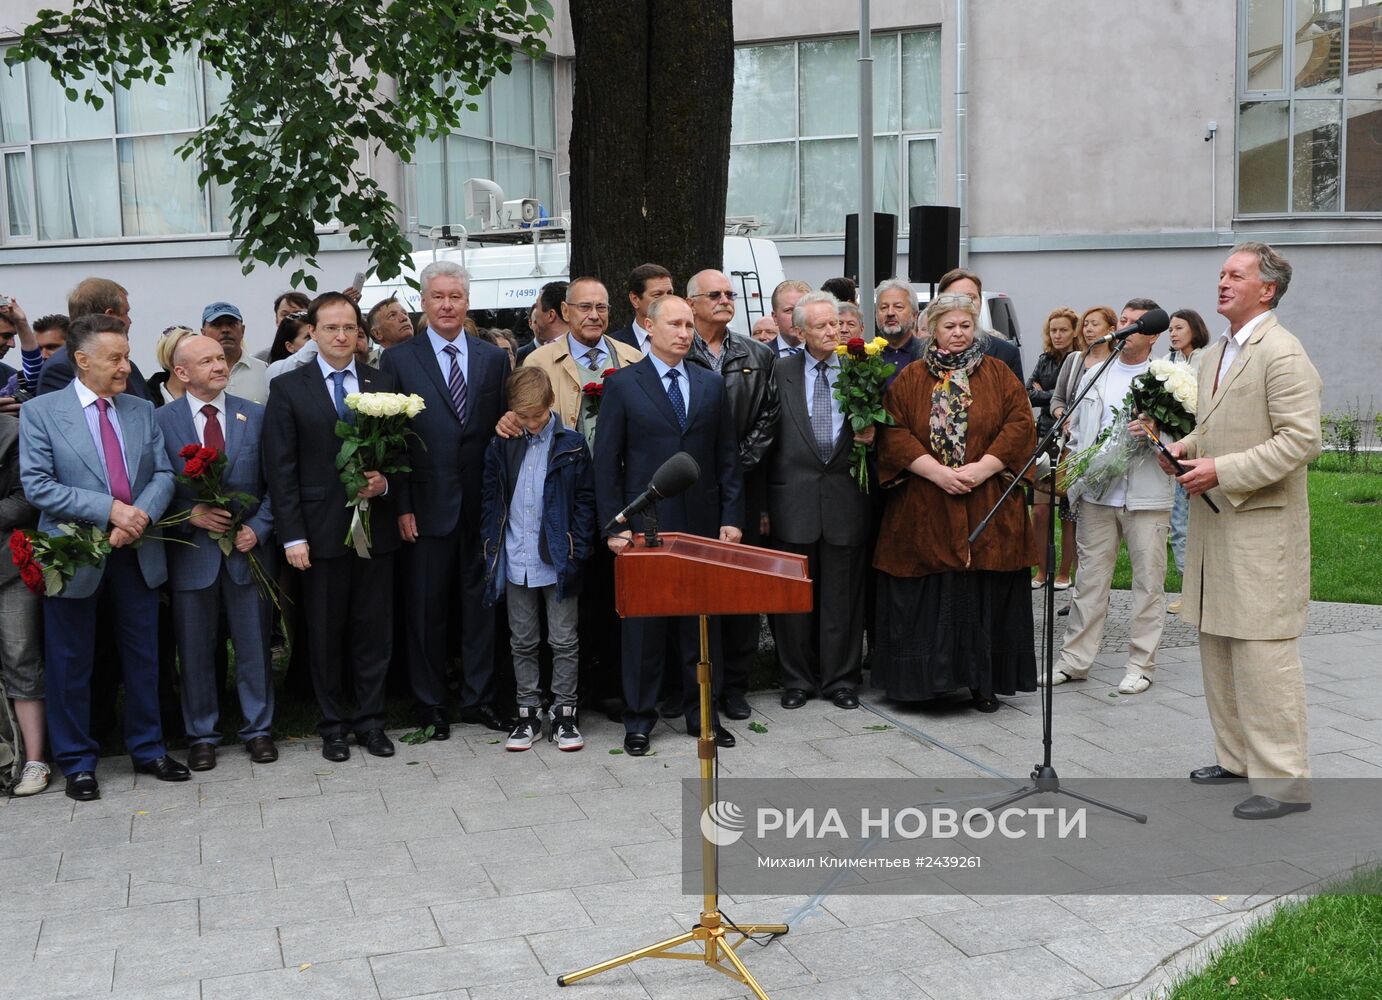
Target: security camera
{"type": "Point", "coordinates": [1209, 131]}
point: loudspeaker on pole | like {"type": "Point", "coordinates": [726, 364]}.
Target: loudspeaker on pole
{"type": "Point", "coordinates": [933, 242]}
{"type": "Point", "coordinates": [884, 246]}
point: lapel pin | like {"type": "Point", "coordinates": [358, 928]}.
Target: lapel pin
{"type": "Point", "coordinates": [241, 416]}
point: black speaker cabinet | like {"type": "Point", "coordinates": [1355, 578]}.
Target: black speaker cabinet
{"type": "Point", "coordinates": [884, 247]}
{"type": "Point", "coordinates": [933, 243]}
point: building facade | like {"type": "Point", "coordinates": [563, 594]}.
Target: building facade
{"type": "Point", "coordinates": [1101, 149]}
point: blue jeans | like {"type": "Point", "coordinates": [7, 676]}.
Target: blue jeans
{"type": "Point", "coordinates": [1180, 518]}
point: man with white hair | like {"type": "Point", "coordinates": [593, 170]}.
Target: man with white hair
{"type": "Point", "coordinates": [462, 380]}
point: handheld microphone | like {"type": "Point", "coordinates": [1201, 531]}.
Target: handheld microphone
{"type": "Point", "coordinates": [674, 477]}
{"type": "Point", "coordinates": [1152, 321]}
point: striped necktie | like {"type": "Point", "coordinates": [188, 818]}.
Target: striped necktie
{"type": "Point", "coordinates": [455, 381]}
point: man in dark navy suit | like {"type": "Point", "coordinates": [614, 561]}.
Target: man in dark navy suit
{"type": "Point", "coordinates": [646, 283]}
{"type": "Point", "coordinates": [650, 411]}
{"type": "Point", "coordinates": [462, 379]}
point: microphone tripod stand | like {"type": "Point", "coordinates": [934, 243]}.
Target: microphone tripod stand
{"type": "Point", "coordinates": [1044, 778]}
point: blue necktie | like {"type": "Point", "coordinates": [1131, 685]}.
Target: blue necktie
{"type": "Point", "coordinates": [821, 418]}
{"type": "Point", "coordinates": [674, 395]}
{"type": "Point", "coordinates": [339, 394]}
{"type": "Point", "coordinates": [455, 382]}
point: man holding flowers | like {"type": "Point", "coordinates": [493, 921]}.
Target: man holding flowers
{"type": "Point", "coordinates": [1133, 505]}
{"type": "Point", "coordinates": [347, 596]}
{"type": "Point", "coordinates": [213, 574]}
{"type": "Point", "coordinates": [92, 454]}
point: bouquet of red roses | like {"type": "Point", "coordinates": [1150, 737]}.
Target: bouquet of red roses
{"type": "Point", "coordinates": [204, 471]}
{"type": "Point", "coordinates": [593, 392]}
{"type": "Point", "coordinates": [47, 562]}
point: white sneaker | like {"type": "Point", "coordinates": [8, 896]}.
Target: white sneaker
{"type": "Point", "coordinates": [1134, 682]}
{"type": "Point", "coordinates": [1060, 677]}
{"type": "Point", "coordinates": [1175, 606]}
{"type": "Point", "coordinates": [33, 779]}
{"type": "Point", "coordinates": [527, 731]}
{"type": "Point", "coordinates": [564, 731]}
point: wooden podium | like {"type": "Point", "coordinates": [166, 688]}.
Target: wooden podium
{"type": "Point", "coordinates": [691, 575]}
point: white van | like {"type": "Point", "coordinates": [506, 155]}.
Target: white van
{"type": "Point", "coordinates": [505, 278]}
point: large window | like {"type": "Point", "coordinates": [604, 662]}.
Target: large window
{"type": "Point", "coordinates": [510, 139]}
{"type": "Point", "coordinates": [794, 159]}
{"type": "Point", "coordinates": [74, 172]}
{"type": "Point", "coordinates": [1310, 107]}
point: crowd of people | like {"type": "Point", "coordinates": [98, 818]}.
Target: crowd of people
{"type": "Point", "coordinates": [487, 560]}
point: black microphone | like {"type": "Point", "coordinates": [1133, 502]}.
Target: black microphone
{"type": "Point", "coordinates": [674, 477]}
{"type": "Point", "coordinates": [1151, 321]}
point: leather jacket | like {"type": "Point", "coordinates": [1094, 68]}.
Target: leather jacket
{"type": "Point", "coordinates": [747, 371]}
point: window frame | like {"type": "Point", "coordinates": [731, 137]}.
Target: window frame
{"type": "Point", "coordinates": [903, 136]}
{"type": "Point", "coordinates": [537, 154]}
{"type": "Point", "coordinates": [1287, 93]}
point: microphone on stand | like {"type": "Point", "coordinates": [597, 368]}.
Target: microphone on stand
{"type": "Point", "coordinates": [674, 477]}
{"type": "Point", "coordinates": [1152, 321]}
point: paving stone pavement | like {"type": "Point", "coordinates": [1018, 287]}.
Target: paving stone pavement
{"type": "Point", "coordinates": [456, 871]}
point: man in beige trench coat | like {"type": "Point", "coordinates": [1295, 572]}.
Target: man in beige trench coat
{"type": "Point", "coordinates": [1247, 568]}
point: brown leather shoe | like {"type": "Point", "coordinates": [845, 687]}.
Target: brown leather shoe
{"type": "Point", "coordinates": [201, 756]}
{"type": "Point", "coordinates": [261, 749]}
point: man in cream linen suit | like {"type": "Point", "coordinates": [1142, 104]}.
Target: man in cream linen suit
{"type": "Point", "coordinates": [1247, 568]}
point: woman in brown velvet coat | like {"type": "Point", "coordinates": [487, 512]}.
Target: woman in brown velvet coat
{"type": "Point", "coordinates": [950, 615]}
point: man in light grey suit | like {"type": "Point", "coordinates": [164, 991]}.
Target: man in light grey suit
{"type": "Point", "coordinates": [91, 453]}
{"type": "Point", "coordinates": [213, 574]}
{"type": "Point", "coordinates": [816, 509]}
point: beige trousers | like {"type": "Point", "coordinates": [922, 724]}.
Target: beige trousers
{"type": "Point", "coordinates": [1255, 690]}
{"type": "Point", "coordinates": [1101, 528]}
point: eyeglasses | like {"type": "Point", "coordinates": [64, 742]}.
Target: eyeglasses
{"type": "Point", "coordinates": [715, 295]}
{"type": "Point", "coordinates": [584, 307]}
{"type": "Point", "coordinates": [334, 328]}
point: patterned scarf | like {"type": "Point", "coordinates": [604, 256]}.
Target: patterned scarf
{"type": "Point", "coordinates": [950, 399]}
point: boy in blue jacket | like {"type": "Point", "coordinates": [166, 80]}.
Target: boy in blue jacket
{"type": "Point", "coordinates": [538, 525]}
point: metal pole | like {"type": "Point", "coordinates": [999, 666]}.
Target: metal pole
{"type": "Point", "coordinates": [866, 263]}
{"type": "Point", "coordinates": [962, 125]}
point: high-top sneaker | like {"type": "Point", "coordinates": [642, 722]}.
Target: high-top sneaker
{"type": "Point", "coordinates": [527, 730]}
{"type": "Point", "coordinates": [565, 733]}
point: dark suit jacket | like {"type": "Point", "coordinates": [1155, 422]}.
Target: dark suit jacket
{"type": "Point", "coordinates": [1007, 352]}
{"type": "Point", "coordinates": [809, 499]}
{"type": "Point", "coordinates": [300, 447]}
{"type": "Point", "coordinates": [638, 431]}
{"type": "Point", "coordinates": [57, 372]}
{"type": "Point", "coordinates": [447, 459]}
{"type": "Point", "coordinates": [626, 335]}
{"type": "Point", "coordinates": [196, 566]}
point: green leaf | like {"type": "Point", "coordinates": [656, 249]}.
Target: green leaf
{"type": "Point", "coordinates": [757, 726]}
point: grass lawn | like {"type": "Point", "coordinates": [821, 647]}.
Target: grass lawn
{"type": "Point", "coordinates": [1324, 948]}
{"type": "Point", "coordinates": [1345, 539]}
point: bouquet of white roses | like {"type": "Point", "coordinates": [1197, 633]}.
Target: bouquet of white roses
{"type": "Point", "coordinates": [376, 440]}
{"type": "Point", "coordinates": [1167, 394]}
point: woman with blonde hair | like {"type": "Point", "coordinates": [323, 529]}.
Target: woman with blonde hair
{"type": "Point", "coordinates": [952, 615]}
{"type": "Point", "coordinates": [163, 388]}
{"type": "Point", "coordinates": [1058, 341]}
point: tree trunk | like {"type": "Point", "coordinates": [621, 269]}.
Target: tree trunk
{"type": "Point", "coordinates": [654, 81]}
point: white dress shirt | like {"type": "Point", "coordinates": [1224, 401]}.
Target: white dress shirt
{"type": "Point", "coordinates": [93, 424]}
{"type": "Point", "coordinates": [832, 373]}
{"type": "Point", "coordinates": [785, 350]}
{"type": "Point", "coordinates": [199, 418]}
{"type": "Point", "coordinates": [683, 383]}
{"type": "Point", "coordinates": [1233, 344]}
{"type": "Point", "coordinates": [641, 335]}
{"type": "Point", "coordinates": [439, 346]}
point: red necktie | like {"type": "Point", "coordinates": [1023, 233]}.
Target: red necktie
{"type": "Point", "coordinates": [212, 436]}
{"type": "Point", "coordinates": [115, 460]}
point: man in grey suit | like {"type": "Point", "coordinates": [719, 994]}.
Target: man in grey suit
{"type": "Point", "coordinates": [816, 509]}
{"type": "Point", "coordinates": [91, 453]}
{"type": "Point", "coordinates": [212, 575]}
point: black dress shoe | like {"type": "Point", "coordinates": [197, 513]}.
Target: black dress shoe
{"type": "Point", "coordinates": [335, 748]}
{"type": "Point", "coordinates": [723, 737]}
{"type": "Point", "coordinates": [1215, 775]}
{"type": "Point", "coordinates": [82, 786]}
{"type": "Point", "coordinates": [735, 705]}
{"type": "Point", "coordinates": [1262, 807]}
{"type": "Point", "coordinates": [486, 716]}
{"type": "Point", "coordinates": [794, 698]}
{"type": "Point", "coordinates": [164, 769]}
{"type": "Point", "coordinates": [261, 749]}
{"type": "Point", "coordinates": [436, 717]}
{"type": "Point", "coordinates": [201, 756]}
{"type": "Point", "coordinates": [845, 698]}
{"type": "Point", "coordinates": [375, 742]}
{"type": "Point", "coordinates": [636, 744]}
{"type": "Point", "coordinates": [985, 705]}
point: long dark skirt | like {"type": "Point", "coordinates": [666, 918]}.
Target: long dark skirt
{"type": "Point", "coordinates": [949, 631]}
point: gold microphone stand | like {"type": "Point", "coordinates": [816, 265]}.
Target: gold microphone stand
{"type": "Point", "coordinates": [710, 936]}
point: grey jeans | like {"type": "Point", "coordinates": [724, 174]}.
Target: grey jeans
{"type": "Point", "coordinates": [525, 635]}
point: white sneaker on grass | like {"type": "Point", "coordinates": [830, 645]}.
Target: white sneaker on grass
{"type": "Point", "coordinates": [33, 779]}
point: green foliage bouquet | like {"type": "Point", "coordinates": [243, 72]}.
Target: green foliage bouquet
{"type": "Point", "coordinates": [375, 441]}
